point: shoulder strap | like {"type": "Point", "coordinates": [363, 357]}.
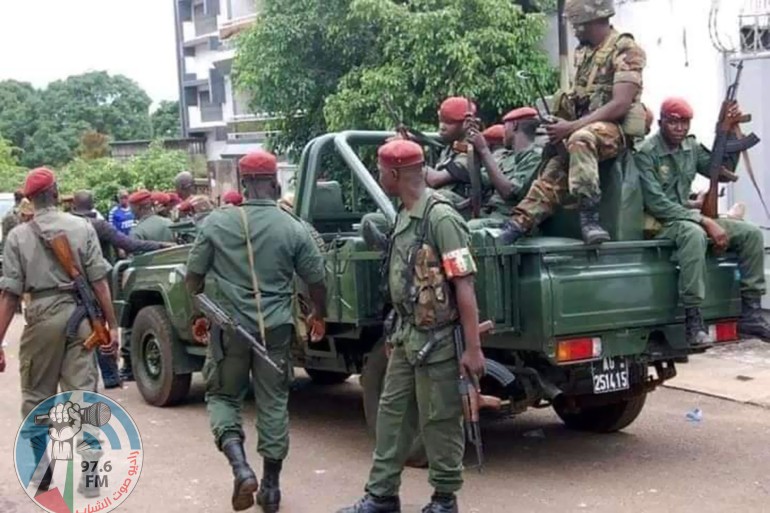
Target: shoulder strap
{"type": "Point", "coordinates": [254, 281]}
{"type": "Point", "coordinates": [601, 55]}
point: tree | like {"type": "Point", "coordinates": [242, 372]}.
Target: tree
{"type": "Point", "coordinates": [334, 61]}
{"type": "Point", "coordinates": [19, 111]}
{"type": "Point", "coordinates": [11, 175]}
{"type": "Point", "coordinates": [93, 145]}
{"type": "Point", "coordinates": [166, 121]}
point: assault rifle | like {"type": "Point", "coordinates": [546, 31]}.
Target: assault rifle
{"type": "Point", "coordinates": [474, 167]}
{"type": "Point", "coordinates": [87, 306]}
{"type": "Point", "coordinates": [725, 144]}
{"type": "Point", "coordinates": [219, 318]}
{"type": "Point", "coordinates": [407, 132]}
{"type": "Point", "coordinates": [560, 147]}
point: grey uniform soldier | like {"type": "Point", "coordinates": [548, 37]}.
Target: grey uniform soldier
{"type": "Point", "coordinates": [47, 357]}
{"type": "Point", "coordinates": [251, 278]}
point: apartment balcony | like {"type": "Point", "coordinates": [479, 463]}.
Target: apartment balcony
{"type": "Point", "coordinates": [230, 28]}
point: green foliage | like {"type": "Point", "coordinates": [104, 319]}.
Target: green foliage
{"type": "Point", "coordinates": [153, 170]}
{"type": "Point", "coordinates": [93, 145]}
{"type": "Point", "coordinates": [11, 175]}
{"type": "Point", "coordinates": [166, 121]}
{"type": "Point", "coordinates": [334, 61]}
{"type": "Point", "coordinates": [48, 124]}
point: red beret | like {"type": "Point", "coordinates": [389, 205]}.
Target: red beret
{"type": "Point", "coordinates": [676, 108]}
{"type": "Point", "coordinates": [494, 134]}
{"type": "Point", "coordinates": [454, 109]}
{"type": "Point", "coordinates": [400, 153]}
{"type": "Point", "coordinates": [520, 113]}
{"type": "Point", "coordinates": [185, 206]}
{"type": "Point", "coordinates": [233, 198]}
{"type": "Point", "coordinates": [140, 196]}
{"type": "Point", "coordinates": [160, 198]}
{"type": "Point", "coordinates": [259, 162]}
{"type": "Point", "coordinates": [173, 198]}
{"type": "Point", "coordinates": [38, 180]}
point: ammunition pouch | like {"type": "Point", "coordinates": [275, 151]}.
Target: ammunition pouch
{"type": "Point", "coordinates": [634, 124]}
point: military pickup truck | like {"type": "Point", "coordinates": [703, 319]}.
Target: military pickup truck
{"type": "Point", "coordinates": [588, 331]}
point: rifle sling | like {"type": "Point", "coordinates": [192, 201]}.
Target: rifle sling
{"type": "Point", "coordinates": [254, 280]}
{"type": "Point", "coordinates": [750, 170]}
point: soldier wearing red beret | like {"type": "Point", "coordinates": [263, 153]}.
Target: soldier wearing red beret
{"type": "Point", "coordinates": [49, 359]}
{"type": "Point", "coordinates": [516, 169]}
{"type": "Point", "coordinates": [160, 203]}
{"type": "Point", "coordinates": [432, 237]}
{"type": "Point", "coordinates": [495, 136]}
{"type": "Point", "coordinates": [232, 198]}
{"type": "Point", "coordinates": [149, 225]}
{"type": "Point", "coordinates": [668, 163]}
{"type": "Point", "coordinates": [451, 176]}
{"type": "Point", "coordinates": [271, 246]}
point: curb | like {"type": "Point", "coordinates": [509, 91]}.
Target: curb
{"type": "Point", "coordinates": [764, 406]}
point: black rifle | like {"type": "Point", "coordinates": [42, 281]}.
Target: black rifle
{"type": "Point", "coordinates": [725, 144]}
{"type": "Point", "coordinates": [219, 318]}
{"type": "Point", "coordinates": [474, 168]}
{"type": "Point", "coordinates": [469, 393]}
{"type": "Point", "coordinates": [405, 131]}
{"type": "Point", "coordinates": [560, 148]}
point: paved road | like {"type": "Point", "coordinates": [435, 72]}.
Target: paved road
{"type": "Point", "coordinates": [661, 463]}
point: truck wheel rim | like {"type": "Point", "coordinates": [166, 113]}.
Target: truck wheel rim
{"type": "Point", "coordinates": [152, 357]}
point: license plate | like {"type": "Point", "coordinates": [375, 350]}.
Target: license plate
{"type": "Point", "coordinates": [610, 375]}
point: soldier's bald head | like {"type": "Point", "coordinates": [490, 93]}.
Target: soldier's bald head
{"type": "Point", "coordinates": [83, 201]}
{"type": "Point", "coordinates": [184, 184]}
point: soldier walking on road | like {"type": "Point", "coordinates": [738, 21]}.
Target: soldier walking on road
{"type": "Point", "coordinates": [430, 254]}
{"type": "Point", "coordinates": [668, 163]}
{"type": "Point", "coordinates": [149, 225]}
{"type": "Point", "coordinates": [596, 118]}
{"type": "Point", "coordinates": [47, 359]}
{"type": "Point", "coordinates": [247, 257]}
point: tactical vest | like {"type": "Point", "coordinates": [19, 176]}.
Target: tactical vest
{"type": "Point", "coordinates": [430, 301]}
{"type": "Point", "coordinates": [593, 87]}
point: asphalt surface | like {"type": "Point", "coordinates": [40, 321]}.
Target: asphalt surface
{"type": "Point", "coordinates": [661, 463]}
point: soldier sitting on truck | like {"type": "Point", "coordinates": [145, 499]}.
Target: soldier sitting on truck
{"type": "Point", "coordinates": [451, 175]}
{"type": "Point", "coordinates": [668, 163]}
{"type": "Point", "coordinates": [149, 225]}
{"type": "Point", "coordinates": [517, 165]}
{"type": "Point", "coordinates": [596, 118]}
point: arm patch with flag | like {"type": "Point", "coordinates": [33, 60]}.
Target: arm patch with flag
{"type": "Point", "coordinates": [458, 263]}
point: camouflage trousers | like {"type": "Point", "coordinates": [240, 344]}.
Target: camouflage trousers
{"type": "Point", "coordinates": [578, 178]}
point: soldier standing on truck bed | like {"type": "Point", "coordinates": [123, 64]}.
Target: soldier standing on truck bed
{"type": "Point", "coordinates": [668, 163]}
{"type": "Point", "coordinates": [47, 359]}
{"type": "Point", "coordinates": [248, 256]}
{"type": "Point", "coordinates": [430, 277]}
{"type": "Point", "coordinates": [596, 118]}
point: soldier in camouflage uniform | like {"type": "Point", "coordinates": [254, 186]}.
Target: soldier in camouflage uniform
{"type": "Point", "coordinates": [256, 289]}
{"type": "Point", "coordinates": [432, 238]}
{"type": "Point", "coordinates": [517, 166]}
{"type": "Point", "coordinates": [668, 163]}
{"type": "Point", "coordinates": [597, 116]}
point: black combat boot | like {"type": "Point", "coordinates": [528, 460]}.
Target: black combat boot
{"type": "Point", "coordinates": [697, 335]}
{"type": "Point", "coordinates": [269, 496]}
{"type": "Point", "coordinates": [373, 237]}
{"type": "Point", "coordinates": [441, 503]}
{"type": "Point", "coordinates": [245, 482]}
{"type": "Point", "coordinates": [511, 233]}
{"type": "Point", "coordinates": [752, 323]}
{"type": "Point", "coordinates": [593, 233]}
{"type": "Point", "coordinates": [126, 372]}
{"type": "Point", "coordinates": [373, 504]}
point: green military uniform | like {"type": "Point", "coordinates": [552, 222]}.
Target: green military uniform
{"type": "Point", "coordinates": [153, 227]}
{"type": "Point", "coordinates": [667, 175]}
{"type": "Point", "coordinates": [10, 220]}
{"type": "Point", "coordinates": [455, 162]}
{"type": "Point", "coordinates": [282, 247]}
{"type": "Point", "coordinates": [426, 396]}
{"type": "Point", "coordinates": [618, 60]}
{"type": "Point", "coordinates": [46, 358]}
{"type": "Point", "coordinates": [520, 168]}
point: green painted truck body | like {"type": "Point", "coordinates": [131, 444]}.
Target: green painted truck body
{"type": "Point", "coordinates": [545, 289]}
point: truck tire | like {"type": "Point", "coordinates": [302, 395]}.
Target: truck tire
{"type": "Point", "coordinates": [152, 358]}
{"type": "Point", "coordinates": [602, 419]}
{"type": "Point", "coordinates": [322, 377]}
{"type": "Point", "coordinates": [372, 381]}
